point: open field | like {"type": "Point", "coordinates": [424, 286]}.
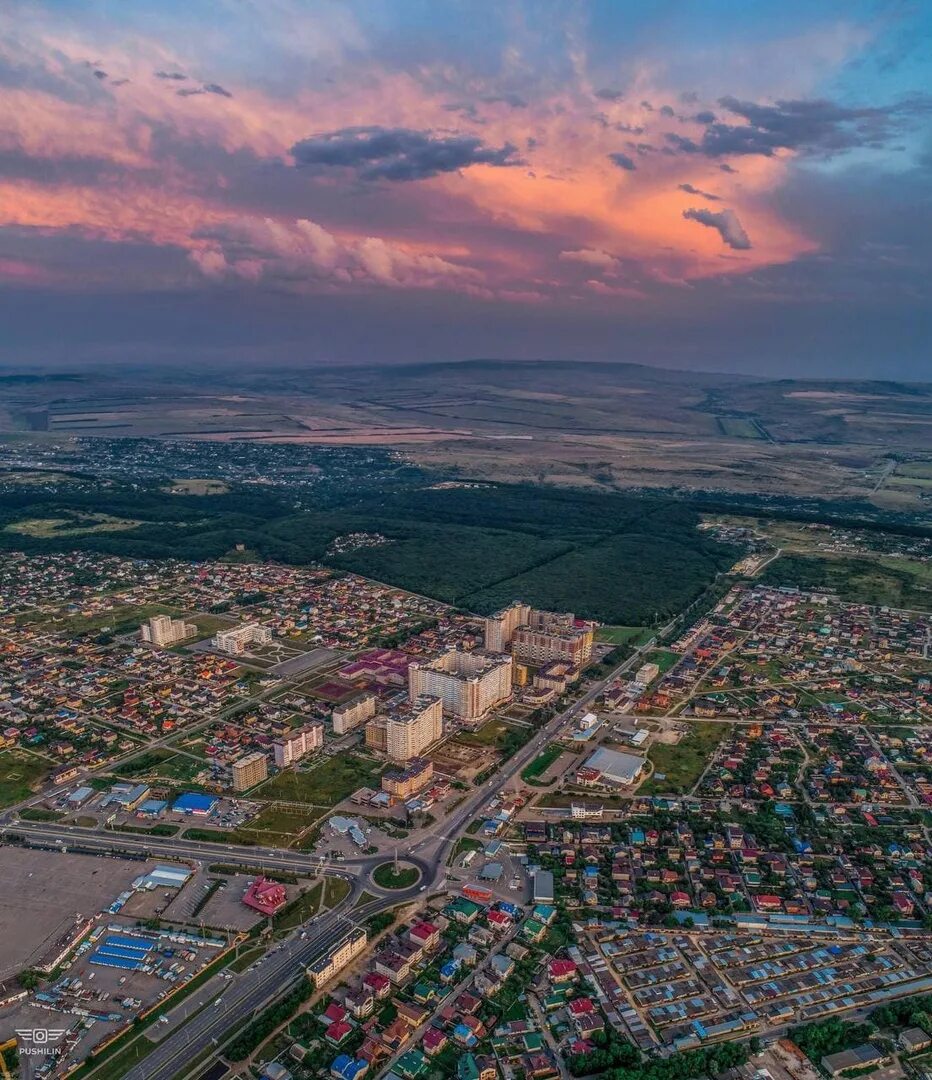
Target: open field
{"type": "Point", "coordinates": [738, 428]}
{"type": "Point", "coordinates": [602, 425]}
{"type": "Point", "coordinates": [277, 826]}
{"type": "Point", "coordinates": [866, 580]}
{"type": "Point", "coordinates": [682, 763]}
{"type": "Point", "coordinates": [623, 635]}
{"type": "Point", "coordinates": [324, 785]}
{"type": "Point", "coordinates": [541, 764]}
{"type": "Point", "coordinates": [161, 763]}
{"type": "Point", "coordinates": [198, 487]}
{"type": "Point", "coordinates": [74, 525]}
{"type": "Point", "coordinates": [492, 733]}
{"type": "Point", "coordinates": [120, 619]}
{"type": "Point", "coordinates": [20, 775]}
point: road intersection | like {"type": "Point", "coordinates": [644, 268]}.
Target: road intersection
{"type": "Point", "coordinates": [280, 970]}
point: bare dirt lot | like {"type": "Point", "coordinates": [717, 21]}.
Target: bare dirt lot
{"type": "Point", "coordinates": [41, 892]}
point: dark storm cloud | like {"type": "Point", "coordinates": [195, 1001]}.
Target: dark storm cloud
{"type": "Point", "coordinates": [667, 110]}
{"type": "Point", "coordinates": [607, 94]}
{"type": "Point", "coordinates": [466, 109]}
{"type": "Point", "coordinates": [469, 110]}
{"type": "Point", "coordinates": [628, 129]}
{"type": "Point", "coordinates": [398, 153]}
{"type": "Point", "coordinates": [681, 143]}
{"type": "Point", "coordinates": [622, 161]}
{"type": "Point", "coordinates": [690, 190]}
{"type": "Point", "coordinates": [726, 223]}
{"type": "Point", "coordinates": [514, 100]}
{"type": "Point", "coordinates": [812, 127]}
{"type": "Point", "coordinates": [207, 88]}
{"type": "Point", "coordinates": [704, 117]}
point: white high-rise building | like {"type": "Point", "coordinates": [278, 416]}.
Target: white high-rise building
{"type": "Point", "coordinates": [298, 744]}
{"type": "Point", "coordinates": [468, 683]}
{"type": "Point", "coordinates": [163, 630]}
{"type": "Point", "coordinates": [235, 641]}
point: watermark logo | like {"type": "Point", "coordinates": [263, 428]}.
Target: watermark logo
{"type": "Point", "coordinates": [34, 1041]}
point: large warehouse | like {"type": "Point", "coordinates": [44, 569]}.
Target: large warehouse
{"type": "Point", "coordinates": [611, 768]}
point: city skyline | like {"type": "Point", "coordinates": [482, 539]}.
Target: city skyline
{"type": "Point", "coordinates": [714, 186]}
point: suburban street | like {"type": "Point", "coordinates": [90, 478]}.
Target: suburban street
{"type": "Point", "coordinates": [284, 966]}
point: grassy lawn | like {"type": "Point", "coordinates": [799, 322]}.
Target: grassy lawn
{"type": "Point", "coordinates": [246, 959]}
{"type": "Point", "coordinates": [121, 1062]}
{"type": "Point", "coordinates": [541, 763]}
{"type": "Point", "coordinates": [335, 890]}
{"type": "Point", "coordinates": [385, 876]}
{"type": "Point", "coordinates": [163, 829]}
{"type": "Point", "coordinates": [325, 785]}
{"type": "Point", "coordinates": [20, 775]}
{"type": "Point", "coordinates": [162, 763]}
{"type": "Point", "coordinates": [683, 763]}
{"type": "Point", "coordinates": [493, 734]}
{"type": "Point", "coordinates": [623, 635]}
{"type": "Point", "coordinates": [37, 813]}
{"type": "Point", "coordinates": [299, 910]}
{"type": "Point", "coordinates": [663, 658]}
{"type": "Point", "coordinates": [120, 619]}
{"type": "Point", "coordinates": [277, 827]}
{"type": "Point", "coordinates": [878, 579]}
{"type": "Point", "coordinates": [464, 844]}
{"type": "Point", "coordinates": [219, 836]}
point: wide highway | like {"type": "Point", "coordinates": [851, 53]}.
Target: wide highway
{"type": "Point", "coordinates": [284, 966]}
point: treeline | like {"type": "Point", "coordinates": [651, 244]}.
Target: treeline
{"type": "Point", "coordinates": [619, 1060]}
{"type": "Point", "coordinates": [616, 558]}
{"type": "Point", "coordinates": [830, 1036]}
{"type": "Point", "coordinates": [261, 1028]}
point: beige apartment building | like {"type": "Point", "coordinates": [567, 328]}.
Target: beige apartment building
{"type": "Point", "coordinates": [407, 731]}
{"type": "Point", "coordinates": [249, 771]}
{"type": "Point", "coordinates": [298, 744]}
{"type": "Point", "coordinates": [162, 630]}
{"type": "Point", "coordinates": [403, 783]}
{"type": "Point", "coordinates": [468, 683]}
{"type": "Point", "coordinates": [352, 713]}
{"type": "Point", "coordinates": [538, 637]}
{"type": "Point", "coordinates": [336, 958]}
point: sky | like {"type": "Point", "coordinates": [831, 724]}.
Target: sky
{"type": "Point", "coordinates": [715, 185]}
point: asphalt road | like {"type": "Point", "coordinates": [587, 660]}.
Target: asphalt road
{"type": "Point", "coordinates": [281, 969]}
{"type": "Point", "coordinates": [276, 973]}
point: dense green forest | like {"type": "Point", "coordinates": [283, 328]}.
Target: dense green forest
{"type": "Point", "coordinates": [614, 557]}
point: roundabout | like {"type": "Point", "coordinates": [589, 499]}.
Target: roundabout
{"type": "Point", "coordinates": [396, 876]}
